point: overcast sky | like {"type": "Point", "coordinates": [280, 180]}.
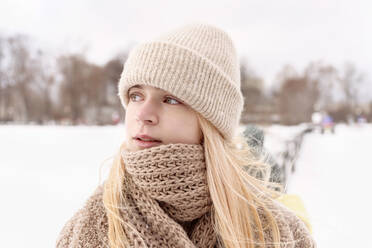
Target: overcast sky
{"type": "Point", "coordinates": [269, 34]}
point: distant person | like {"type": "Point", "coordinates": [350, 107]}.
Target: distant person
{"type": "Point", "coordinates": [316, 118]}
{"type": "Point", "coordinates": [361, 119]}
{"type": "Point", "coordinates": [178, 177]}
{"type": "Point", "coordinates": [328, 124]}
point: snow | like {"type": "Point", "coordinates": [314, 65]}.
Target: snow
{"type": "Point", "coordinates": [49, 171]}
{"type": "Point", "coordinates": [333, 178]}
{"type": "Point", "coordinates": [276, 136]}
{"type": "Point", "coordinates": [47, 174]}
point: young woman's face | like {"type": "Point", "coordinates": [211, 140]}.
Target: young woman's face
{"type": "Point", "coordinates": [154, 117]}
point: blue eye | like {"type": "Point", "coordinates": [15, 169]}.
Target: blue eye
{"type": "Point", "coordinates": [132, 97]}
{"type": "Point", "coordinates": [168, 99]}
{"type": "Point", "coordinates": [135, 97]}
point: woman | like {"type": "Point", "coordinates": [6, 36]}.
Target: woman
{"type": "Point", "coordinates": [178, 179]}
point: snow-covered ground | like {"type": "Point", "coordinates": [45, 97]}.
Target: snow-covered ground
{"type": "Point", "coordinates": [334, 179]}
{"type": "Point", "coordinates": [47, 172]}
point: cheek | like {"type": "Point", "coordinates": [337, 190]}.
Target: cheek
{"type": "Point", "coordinates": [129, 120]}
{"type": "Point", "coordinates": [183, 128]}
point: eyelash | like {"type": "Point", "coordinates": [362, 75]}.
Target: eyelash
{"type": "Point", "coordinates": [167, 98]}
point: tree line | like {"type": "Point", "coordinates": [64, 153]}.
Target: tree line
{"type": "Point", "coordinates": [36, 87]}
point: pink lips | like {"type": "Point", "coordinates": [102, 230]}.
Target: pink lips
{"type": "Point", "coordinates": [146, 141]}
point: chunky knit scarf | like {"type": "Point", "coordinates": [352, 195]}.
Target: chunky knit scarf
{"type": "Point", "coordinates": [167, 202]}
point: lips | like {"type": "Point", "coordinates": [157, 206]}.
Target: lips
{"type": "Point", "coordinates": [146, 141]}
{"type": "Point", "coordinates": [144, 137]}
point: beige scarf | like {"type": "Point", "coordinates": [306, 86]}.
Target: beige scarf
{"type": "Point", "coordinates": [167, 202]}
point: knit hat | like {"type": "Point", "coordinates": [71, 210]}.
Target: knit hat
{"type": "Point", "coordinates": [196, 63]}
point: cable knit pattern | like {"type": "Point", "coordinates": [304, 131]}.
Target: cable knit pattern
{"type": "Point", "coordinates": [167, 204]}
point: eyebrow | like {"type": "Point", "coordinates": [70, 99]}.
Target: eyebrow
{"type": "Point", "coordinates": [135, 86]}
{"type": "Point", "coordinates": [138, 86]}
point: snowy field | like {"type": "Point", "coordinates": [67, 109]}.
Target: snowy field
{"type": "Point", "coordinates": [48, 172]}
{"type": "Point", "coordinates": [334, 179]}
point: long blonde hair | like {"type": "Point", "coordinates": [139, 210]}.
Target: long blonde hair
{"type": "Point", "coordinates": [236, 195]}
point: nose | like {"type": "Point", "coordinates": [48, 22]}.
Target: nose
{"type": "Point", "coordinates": [147, 113]}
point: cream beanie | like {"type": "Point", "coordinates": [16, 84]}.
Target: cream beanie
{"type": "Point", "coordinates": [196, 63]}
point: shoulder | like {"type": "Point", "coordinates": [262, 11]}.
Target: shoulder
{"type": "Point", "coordinates": [88, 226]}
{"type": "Point", "coordinates": [293, 231]}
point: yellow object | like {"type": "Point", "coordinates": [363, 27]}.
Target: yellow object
{"type": "Point", "coordinates": [294, 203]}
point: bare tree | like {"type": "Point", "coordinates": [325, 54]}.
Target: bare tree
{"type": "Point", "coordinates": [72, 92]}
{"type": "Point", "coordinates": [22, 80]}
{"type": "Point", "coordinates": [301, 94]}
{"type": "Point", "coordinates": [22, 70]}
{"type": "Point", "coordinates": [252, 88]}
{"type": "Point", "coordinates": [322, 81]}
{"type": "Point", "coordinates": [350, 81]}
{"type": "Point", "coordinates": [88, 92]}
{"type": "Point", "coordinates": [297, 96]}
{"type": "Point", "coordinates": [113, 69]}
{"type": "Point", "coordinates": [3, 95]}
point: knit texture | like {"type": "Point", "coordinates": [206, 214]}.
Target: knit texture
{"type": "Point", "coordinates": [166, 186]}
{"type": "Point", "coordinates": [198, 64]}
{"type": "Point", "coordinates": [167, 204]}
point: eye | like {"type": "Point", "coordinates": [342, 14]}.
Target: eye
{"type": "Point", "coordinates": [134, 97]}
{"type": "Point", "coordinates": [172, 101]}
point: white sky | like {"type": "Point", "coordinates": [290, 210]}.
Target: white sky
{"type": "Point", "coordinates": [268, 33]}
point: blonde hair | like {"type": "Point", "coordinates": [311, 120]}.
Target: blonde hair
{"type": "Point", "coordinates": [236, 195]}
